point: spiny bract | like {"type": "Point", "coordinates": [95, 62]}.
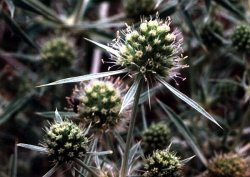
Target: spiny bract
{"type": "Point", "coordinates": [156, 137]}
{"type": "Point", "coordinates": [57, 53]}
{"type": "Point", "coordinates": [152, 49]}
{"type": "Point", "coordinates": [241, 38]}
{"type": "Point", "coordinates": [227, 165]}
{"type": "Point", "coordinates": [163, 163]}
{"type": "Point", "coordinates": [65, 141]}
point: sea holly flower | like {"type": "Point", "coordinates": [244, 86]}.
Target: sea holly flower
{"type": "Point", "coordinates": [99, 102]}
{"type": "Point", "coordinates": [241, 38]}
{"type": "Point", "coordinates": [66, 143]}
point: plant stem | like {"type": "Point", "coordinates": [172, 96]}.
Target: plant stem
{"type": "Point", "coordinates": [81, 6]}
{"type": "Point", "coordinates": [91, 171]}
{"type": "Point", "coordinates": [123, 172]}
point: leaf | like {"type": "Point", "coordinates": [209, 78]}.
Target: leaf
{"type": "Point", "coordinates": [168, 10]}
{"type": "Point", "coordinates": [187, 160]}
{"type": "Point", "coordinates": [17, 30]}
{"type": "Point", "coordinates": [187, 100]}
{"type": "Point", "coordinates": [51, 114]}
{"type": "Point", "coordinates": [107, 48]}
{"type": "Point", "coordinates": [132, 152]}
{"type": "Point", "coordinates": [33, 147]}
{"type": "Point", "coordinates": [231, 8]}
{"type": "Point", "coordinates": [13, 164]}
{"type": "Point", "coordinates": [144, 95]}
{"type": "Point", "coordinates": [11, 7]}
{"type": "Point", "coordinates": [58, 118]}
{"type": "Point", "coordinates": [128, 98]}
{"type": "Point", "coordinates": [52, 171]}
{"type": "Point", "coordinates": [208, 4]}
{"type": "Point", "coordinates": [100, 153]}
{"type": "Point", "coordinates": [85, 77]}
{"type": "Point", "coordinates": [183, 130]}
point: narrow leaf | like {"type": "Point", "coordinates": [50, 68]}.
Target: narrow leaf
{"type": "Point", "coordinates": [100, 153]}
{"type": "Point", "coordinates": [183, 130]}
{"type": "Point", "coordinates": [58, 118]}
{"type": "Point", "coordinates": [11, 7]}
{"type": "Point", "coordinates": [187, 160]}
{"type": "Point", "coordinates": [128, 98]}
{"type": "Point", "coordinates": [208, 4]}
{"type": "Point", "coordinates": [51, 114]}
{"type": "Point", "coordinates": [13, 164]}
{"type": "Point", "coordinates": [33, 147]}
{"type": "Point", "coordinates": [85, 77]}
{"type": "Point", "coordinates": [188, 100]}
{"type": "Point", "coordinates": [51, 171]}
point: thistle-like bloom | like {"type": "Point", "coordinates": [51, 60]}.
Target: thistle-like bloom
{"type": "Point", "coordinates": [156, 137]}
{"type": "Point", "coordinates": [99, 102]}
{"type": "Point", "coordinates": [227, 165]}
{"type": "Point", "coordinates": [241, 38]}
{"type": "Point", "coordinates": [163, 163]}
{"type": "Point", "coordinates": [152, 49]}
{"type": "Point", "coordinates": [65, 141]}
{"type": "Point", "coordinates": [57, 53]}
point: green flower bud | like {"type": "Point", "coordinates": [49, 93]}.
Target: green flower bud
{"type": "Point", "coordinates": [227, 165]}
{"type": "Point", "coordinates": [163, 163]}
{"type": "Point", "coordinates": [65, 141]}
{"type": "Point", "coordinates": [57, 53]}
{"type": "Point", "coordinates": [241, 38]}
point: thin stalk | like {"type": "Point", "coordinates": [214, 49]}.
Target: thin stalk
{"type": "Point", "coordinates": [91, 171]}
{"type": "Point", "coordinates": [81, 7]}
{"type": "Point", "coordinates": [123, 172]}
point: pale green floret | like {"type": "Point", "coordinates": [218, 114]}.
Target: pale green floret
{"type": "Point", "coordinates": [241, 38]}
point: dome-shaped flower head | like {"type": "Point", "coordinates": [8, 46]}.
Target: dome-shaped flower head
{"type": "Point", "coordinates": [241, 38]}
{"type": "Point", "coordinates": [99, 102]}
{"type": "Point", "coordinates": [65, 141]}
{"type": "Point", "coordinates": [227, 165]}
{"type": "Point", "coordinates": [152, 49]}
{"type": "Point", "coordinates": [163, 163]}
{"type": "Point", "coordinates": [156, 137]}
{"type": "Point", "coordinates": [57, 53]}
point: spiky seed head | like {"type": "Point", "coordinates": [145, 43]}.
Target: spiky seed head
{"type": "Point", "coordinates": [163, 163]}
{"type": "Point", "coordinates": [99, 102]}
{"type": "Point", "coordinates": [152, 49]}
{"type": "Point", "coordinates": [227, 165]}
{"type": "Point", "coordinates": [65, 141]}
{"type": "Point", "coordinates": [57, 53]}
{"type": "Point", "coordinates": [156, 137]}
{"type": "Point", "coordinates": [241, 38]}
{"type": "Point", "coordinates": [135, 9]}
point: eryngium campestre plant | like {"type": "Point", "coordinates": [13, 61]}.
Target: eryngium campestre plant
{"type": "Point", "coordinates": [227, 165]}
{"type": "Point", "coordinates": [152, 49]}
{"type": "Point", "coordinates": [241, 38]}
{"type": "Point", "coordinates": [64, 142]}
{"type": "Point", "coordinates": [57, 53]}
{"type": "Point", "coordinates": [99, 102]}
{"type": "Point", "coordinates": [156, 137]}
{"type": "Point", "coordinates": [163, 163]}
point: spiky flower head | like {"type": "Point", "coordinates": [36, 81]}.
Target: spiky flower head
{"type": "Point", "coordinates": [156, 137]}
{"type": "Point", "coordinates": [241, 38]}
{"type": "Point", "coordinates": [227, 165]}
{"type": "Point", "coordinates": [152, 49]}
{"type": "Point", "coordinates": [135, 9]}
{"type": "Point", "coordinates": [209, 32]}
{"type": "Point", "coordinates": [99, 102]}
{"type": "Point", "coordinates": [57, 53]}
{"type": "Point", "coordinates": [65, 141]}
{"type": "Point", "coordinates": [163, 163]}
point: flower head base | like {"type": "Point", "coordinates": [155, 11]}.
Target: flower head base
{"type": "Point", "coordinates": [65, 141]}
{"type": "Point", "coordinates": [241, 38]}
{"type": "Point", "coordinates": [57, 53]}
{"type": "Point", "coordinates": [227, 165]}
{"type": "Point", "coordinates": [99, 102]}
{"type": "Point", "coordinates": [156, 137]}
{"type": "Point", "coordinates": [153, 49]}
{"type": "Point", "coordinates": [163, 163]}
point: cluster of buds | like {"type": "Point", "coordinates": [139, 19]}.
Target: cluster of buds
{"type": "Point", "coordinates": [151, 50]}
{"type": "Point", "coordinates": [65, 141]}
{"type": "Point", "coordinates": [57, 53]}
{"type": "Point", "coordinates": [156, 137]}
{"type": "Point", "coordinates": [241, 38]}
{"type": "Point", "coordinates": [99, 102]}
{"type": "Point", "coordinates": [163, 163]}
{"type": "Point", "coordinates": [227, 165]}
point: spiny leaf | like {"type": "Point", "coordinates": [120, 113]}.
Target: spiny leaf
{"type": "Point", "coordinates": [51, 171]}
{"type": "Point", "coordinates": [58, 118]}
{"type": "Point", "coordinates": [33, 147]}
{"type": "Point", "coordinates": [51, 114]}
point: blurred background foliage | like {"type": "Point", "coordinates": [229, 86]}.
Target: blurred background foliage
{"type": "Point", "coordinates": [43, 40]}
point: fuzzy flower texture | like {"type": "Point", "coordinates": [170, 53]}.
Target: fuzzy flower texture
{"type": "Point", "coordinates": [152, 49]}
{"type": "Point", "coordinates": [65, 141]}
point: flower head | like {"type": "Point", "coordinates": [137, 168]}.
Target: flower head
{"type": "Point", "coordinates": [99, 102]}
{"type": "Point", "coordinates": [227, 165]}
{"type": "Point", "coordinates": [156, 137]}
{"type": "Point", "coordinates": [57, 53]}
{"type": "Point", "coordinates": [163, 163]}
{"type": "Point", "coordinates": [65, 141]}
{"type": "Point", "coordinates": [152, 49]}
{"type": "Point", "coordinates": [241, 38]}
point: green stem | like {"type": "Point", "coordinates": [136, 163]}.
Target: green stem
{"type": "Point", "coordinates": [91, 171]}
{"type": "Point", "coordinates": [123, 172]}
